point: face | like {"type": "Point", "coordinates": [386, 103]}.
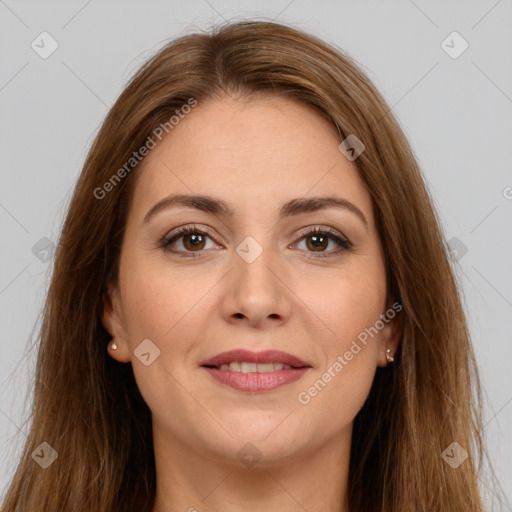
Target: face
{"type": "Point", "coordinates": [253, 276]}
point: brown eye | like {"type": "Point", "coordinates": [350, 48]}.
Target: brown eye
{"type": "Point", "coordinates": [317, 241]}
{"type": "Point", "coordinates": [193, 241]}
{"type": "Point", "coordinates": [186, 241]}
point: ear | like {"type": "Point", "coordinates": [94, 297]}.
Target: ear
{"type": "Point", "coordinates": [111, 320]}
{"type": "Point", "coordinates": [391, 333]}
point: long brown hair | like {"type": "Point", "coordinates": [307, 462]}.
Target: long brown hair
{"type": "Point", "coordinates": [88, 407]}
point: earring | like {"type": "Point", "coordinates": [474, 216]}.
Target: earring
{"type": "Point", "coordinates": [389, 357]}
{"type": "Point", "coordinates": [113, 345]}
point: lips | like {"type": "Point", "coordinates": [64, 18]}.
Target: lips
{"type": "Point", "coordinates": [264, 357]}
{"type": "Point", "coordinates": [255, 372]}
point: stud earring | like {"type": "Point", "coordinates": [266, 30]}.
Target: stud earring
{"type": "Point", "coordinates": [389, 357]}
{"type": "Point", "coordinates": [113, 346]}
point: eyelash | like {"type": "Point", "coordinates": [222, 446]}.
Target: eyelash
{"type": "Point", "coordinates": [344, 243]}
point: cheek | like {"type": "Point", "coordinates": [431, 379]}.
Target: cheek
{"type": "Point", "coordinates": [355, 301]}
{"type": "Point", "coordinates": [151, 309]}
{"type": "Point", "coordinates": [156, 300]}
{"type": "Point", "coordinates": [340, 386]}
{"type": "Point", "coordinates": [350, 316]}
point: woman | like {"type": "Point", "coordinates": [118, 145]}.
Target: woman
{"type": "Point", "coordinates": [252, 305]}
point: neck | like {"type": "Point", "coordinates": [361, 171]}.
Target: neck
{"type": "Point", "coordinates": [189, 480]}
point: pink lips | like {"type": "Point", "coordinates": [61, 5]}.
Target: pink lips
{"type": "Point", "coordinates": [266, 356]}
{"type": "Point", "coordinates": [255, 382]}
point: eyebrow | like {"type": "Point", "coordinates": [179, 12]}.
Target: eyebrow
{"type": "Point", "coordinates": [221, 208]}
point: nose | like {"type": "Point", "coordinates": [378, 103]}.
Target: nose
{"type": "Point", "coordinates": [255, 291]}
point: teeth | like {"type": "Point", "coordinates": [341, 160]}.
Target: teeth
{"type": "Point", "coordinates": [245, 367]}
{"type": "Point", "coordinates": [248, 367]}
{"type": "Point", "coordinates": [265, 367]}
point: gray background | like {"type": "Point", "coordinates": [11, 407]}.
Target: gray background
{"type": "Point", "coordinates": [457, 113]}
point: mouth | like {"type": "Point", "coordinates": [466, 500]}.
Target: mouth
{"type": "Point", "coordinates": [255, 371]}
{"type": "Point", "coordinates": [247, 367]}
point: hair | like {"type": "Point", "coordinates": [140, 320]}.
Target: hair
{"type": "Point", "coordinates": [88, 407]}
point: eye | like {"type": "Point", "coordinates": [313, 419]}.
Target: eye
{"type": "Point", "coordinates": [319, 241]}
{"type": "Point", "coordinates": [193, 241]}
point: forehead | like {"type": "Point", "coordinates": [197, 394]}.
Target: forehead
{"type": "Point", "coordinates": [257, 152]}
{"type": "Point", "coordinates": [269, 129]}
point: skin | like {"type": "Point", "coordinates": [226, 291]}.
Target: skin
{"type": "Point", "coordinates": [254, 155]}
